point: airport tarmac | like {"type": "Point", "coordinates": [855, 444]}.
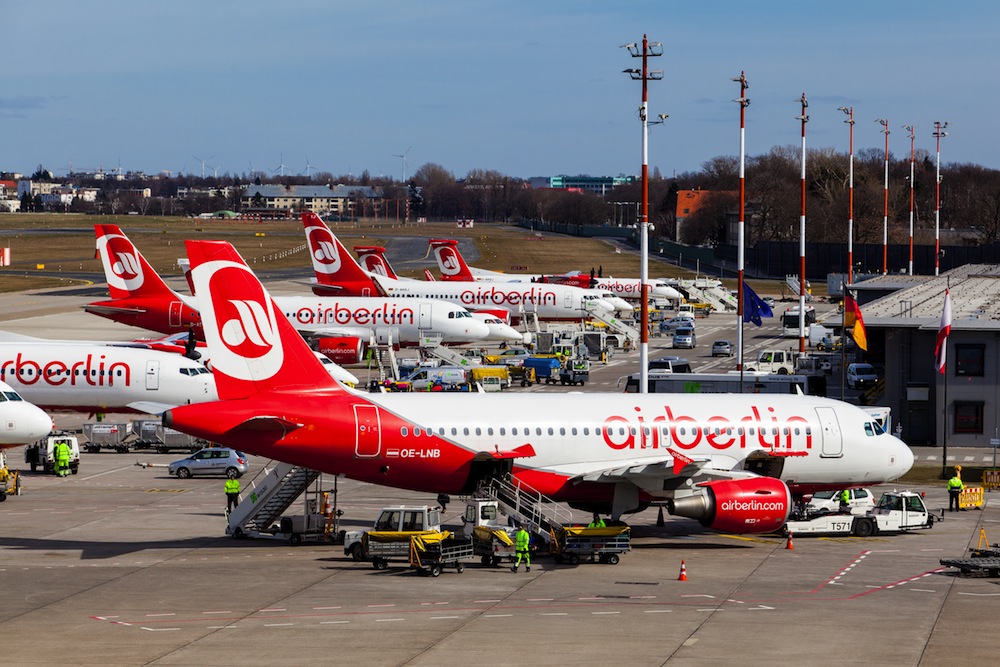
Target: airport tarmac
{"type": "Point", "coordinates": [123, 565]}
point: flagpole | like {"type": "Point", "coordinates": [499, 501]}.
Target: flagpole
{"type": "Point", "coordinates": [843, 346]}
{"type": "Point", "coordinates": [743, 101]}
{"type": "Point", "coordinates": [945, 315]}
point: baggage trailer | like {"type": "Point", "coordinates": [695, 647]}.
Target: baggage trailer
{"type": "Point", "coordinates": [981, 561]}
{"type": "Point", "coordinates": [575, 542]}
{"type": "Point", "coordinates": [493, 545]}
{"type": "Point", "coordinates": [103, 434]}
{"type": "Point", "coordinates": [428, 551]}
{"type": "Point", "coordinates": [895, 512]}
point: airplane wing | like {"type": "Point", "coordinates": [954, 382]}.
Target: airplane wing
{"type": "Point", "coordinates": [672, 466]}
{"type": "Point", "coordinates": [151, 407]}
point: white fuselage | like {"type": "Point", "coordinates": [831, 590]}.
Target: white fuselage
{"type": "Point", "coordinates": [67, 375]}
{"type": "Point", "coordinates": [550, 302]}
{"type": "Point", "coordinates": [820, 441]}
{"type": "Point", "coordinates": [21, 422]}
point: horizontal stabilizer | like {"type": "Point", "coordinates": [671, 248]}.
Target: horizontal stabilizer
{"type": "Point", "coordinates": [111, 310]}
{"type": "Point", "coordinates": [268, 423]}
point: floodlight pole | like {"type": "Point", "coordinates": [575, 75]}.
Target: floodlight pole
{"type": "Point", "coordinates": [802, 233]}
{"type": "Point", "coordinates": [850, 197]}
{"type": "Point", "coordinates": [885, 205]}
{"type": "Point", "coordinates": [938, 133]}
{"type": "Point", "coordinates": [649, 49]}
{"type": "Point", "coordinates": [909, 128]}
{"type": "Point", "coordinates": [744, 102]}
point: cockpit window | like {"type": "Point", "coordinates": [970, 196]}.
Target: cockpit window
{"type": "Point", "coordinates": [868, 429]}
{"type": "Point", "coordinates": [878, 428]}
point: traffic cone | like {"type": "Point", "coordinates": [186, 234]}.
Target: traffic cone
{"type": "Point", "coordinates": [790, 545]}
{"type": "Point", "coordinates": [683, 576]}
{"type": "Point", "coordinates": [659, 518]}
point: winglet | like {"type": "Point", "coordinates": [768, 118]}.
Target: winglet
{"type": "Point", "coordinates": [680, 460]}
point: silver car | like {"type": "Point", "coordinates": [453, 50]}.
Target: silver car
{"type": "Point", "coordinates": [211, 461]}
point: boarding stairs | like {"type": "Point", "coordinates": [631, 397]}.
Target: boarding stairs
{"type": "Point", "coordinates": [432, 346]}
{"type": "Point", "coordinates": [617, 325]}
{"type": "Point", "coordinates": [266, 497]}
{"type": "Point", "coordinates": [528, 314]}
{"type": "Point", "coordinates": [538, 513]}
{"type": "Point", "coordinates": [709, 291]}
{"type": "Point", "coordinates": [792, 283]}
{"type": "Point", "coordinates": [385, 358]}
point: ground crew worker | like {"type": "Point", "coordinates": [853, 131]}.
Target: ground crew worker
{"type": "Point", "coordinates": [955, 488]}
{"type": "Point", "coordinates": [61, 454]}
{"type": "Point", "coordinates": [845, 499]}
{"type": "Point", "coordinates": [521, 542]}
{"type": "Point", "coordinates": [598, 522]}
{"type": "Point", "coordinates": [232, 493]}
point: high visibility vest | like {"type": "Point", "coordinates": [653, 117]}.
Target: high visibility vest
{"type": "Point", "coordinates": [955, 483]}
{"type": "Point", "coordinates": [232, 486]}
{"type": "Point", "coordinates": [522, 538]}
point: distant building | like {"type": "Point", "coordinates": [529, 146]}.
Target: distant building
{"type": "Point", "coordinates": [597, 184]}
{"type": "Point", "coordinates": [339, 201]}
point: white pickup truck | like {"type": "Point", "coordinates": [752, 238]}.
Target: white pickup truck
{"type": "Point", "coordinates": [895, 512]}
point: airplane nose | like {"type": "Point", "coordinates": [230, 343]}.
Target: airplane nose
{"type": "Point", "coordinates": [39, 424]}
{"type": "Point", "coordinates": [478, 330]}
{"type": "Point", "coordinates": [902, 459]}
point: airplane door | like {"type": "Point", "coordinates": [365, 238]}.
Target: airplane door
{"type": "Point", "coordinates": [833, 440]}
{"type": "Point", "coordinates": [368, 442]}
{"type": "Point", "coordinates": [176, 308]}
{"type": "Point", "coordinates": [425, 317]}
{"type": "Point", "coordinates": [153, 375]}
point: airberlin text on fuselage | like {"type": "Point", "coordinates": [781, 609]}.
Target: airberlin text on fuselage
{"type": "Point", "coordinates": [337, 314]}
{"type": "Point", "coordinates": [686, 432]}
{"type": "Point", "coordinates": [493, 295]}
{"type": "Point", "coordinates": [56, 372]}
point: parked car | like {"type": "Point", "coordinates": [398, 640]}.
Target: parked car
{"type": "Point", "coordinates": [685, 338]}
{"type": "Point", "coordinates": [669, 365]}
{"type": "Point", "coordinates": [861, 501]}
{"type": "Point", "coordinates": [211, 461]}
{"type": "Point", "coordinates": [768, 301]}
{"type": "Point", "coordinates": [681, 321]}
{"type": "Point", "coordinates": [722, 348]}
{"type": "Point", "coordinates": [861, 375]}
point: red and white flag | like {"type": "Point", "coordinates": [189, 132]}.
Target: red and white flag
{"type": "Point", "coordinates": [941, 346]}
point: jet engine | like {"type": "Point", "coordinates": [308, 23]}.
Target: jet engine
{"type": "Point", "coordinates": [342, 349]}
{"type": "Point", "coordinates": [753, 505]}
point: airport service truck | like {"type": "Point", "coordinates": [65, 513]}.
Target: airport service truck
{"type": "Point", "coordinates": [41, 454]}
{"type": "Point", "coordinates": [895, 512]}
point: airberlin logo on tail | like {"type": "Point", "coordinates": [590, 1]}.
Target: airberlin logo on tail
{"type": "Point", "coordinates": [242, 317]}
{"type": "Point", "coordinates": [448, 260]}
{"type": "Point", "coordinates": [121, 262]}
{"type": "Point", "coordinates": [374, 264]}
{"type": "Point", "coordinates": [326, 259]}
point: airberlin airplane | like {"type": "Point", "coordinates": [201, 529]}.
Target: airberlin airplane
{"type": "Point", "coordinates": [21, 422]}
{"type": "Point", "coordinates": [453, 267]}
{"type": "Point", "coordinates": [342, 325]}
{"type": "Point", "coordinates": [372, 259]}
{"type": "Point", "coordinates": [87, 377]}
{"type": "Point", "coordinates": [338, 272]}
{"type": "Point", "coordinates": [732, 462]}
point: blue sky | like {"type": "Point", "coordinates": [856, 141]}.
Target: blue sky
{"type": "Point", "coordinates": [523, 88]}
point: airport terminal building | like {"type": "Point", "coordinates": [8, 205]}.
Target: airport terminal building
{"type": "Point", "coordinates": [960, 408]}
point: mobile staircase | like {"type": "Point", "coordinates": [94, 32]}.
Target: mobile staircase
{"type": "Point", "coordinates": [792, 284]}
{"type": "Point", "coordinates": [539, 514]}
{"type": "Point", "coordinates": [432, 346]}
{"type": "Point", "coordinates": [266, 497]}
{"type": "Point", "coordinates": [617, 325]}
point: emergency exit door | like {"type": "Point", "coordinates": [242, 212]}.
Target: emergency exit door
{"type": "Point", "coordinates": [152, 375]}
{"type": "Point", "coordinates": [368, 436]}
{"type": "Point", "coordinates": [833, 439]}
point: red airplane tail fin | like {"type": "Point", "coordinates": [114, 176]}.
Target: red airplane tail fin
{"type": "Point", "coordinates": [334, 266]}
{"type": "Point", "coordinates": [126, 270]}
{"type": "Point", "coordinates": [429, 276]}
{"type": "Point", "coordinates": [253, 348]}
{"type": "Point", "coordinates": [450, 261]}
{"type": "Point", "coordinates": [372, 259]}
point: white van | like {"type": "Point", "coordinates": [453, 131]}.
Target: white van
{"type": "Point", "coordinates": [447, 375]}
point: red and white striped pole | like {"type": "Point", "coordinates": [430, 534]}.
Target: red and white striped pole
{"type": "Point", "coordinates": [802, 233]}
{"type": "Point", "coordinates": [885, 205]}
{"type": "Point", "coordinates": [743, 101]}
{"type": "Point", "coordinates": [850, 197]}
{"type": "Point", "coordinates": [938, 133]}
{"type": "Point", "coordinates": [909, 128]}
{"type": "Point", "coordinates": [648, 49]}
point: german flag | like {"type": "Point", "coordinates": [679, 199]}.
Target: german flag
{"type": "Point", "coordinates": [853, 318]}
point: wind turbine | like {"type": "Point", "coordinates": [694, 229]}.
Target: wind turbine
{"type": "Point", "coordinates": [281, 167]}
{"type": "Point", "coordinates": [403, 159]}
{"type": "Point", "coordinates": [203, 163]}
{"type": "Point", "coordinates": [308, 167]}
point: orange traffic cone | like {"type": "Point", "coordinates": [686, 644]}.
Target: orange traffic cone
{"type": "Point", "coordinates": [683, 576]}
{"type": "Point", "coordinates": [790, 545]}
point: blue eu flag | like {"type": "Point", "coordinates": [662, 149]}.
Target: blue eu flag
{"type": "Point", "coordinates": [754, 307]}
